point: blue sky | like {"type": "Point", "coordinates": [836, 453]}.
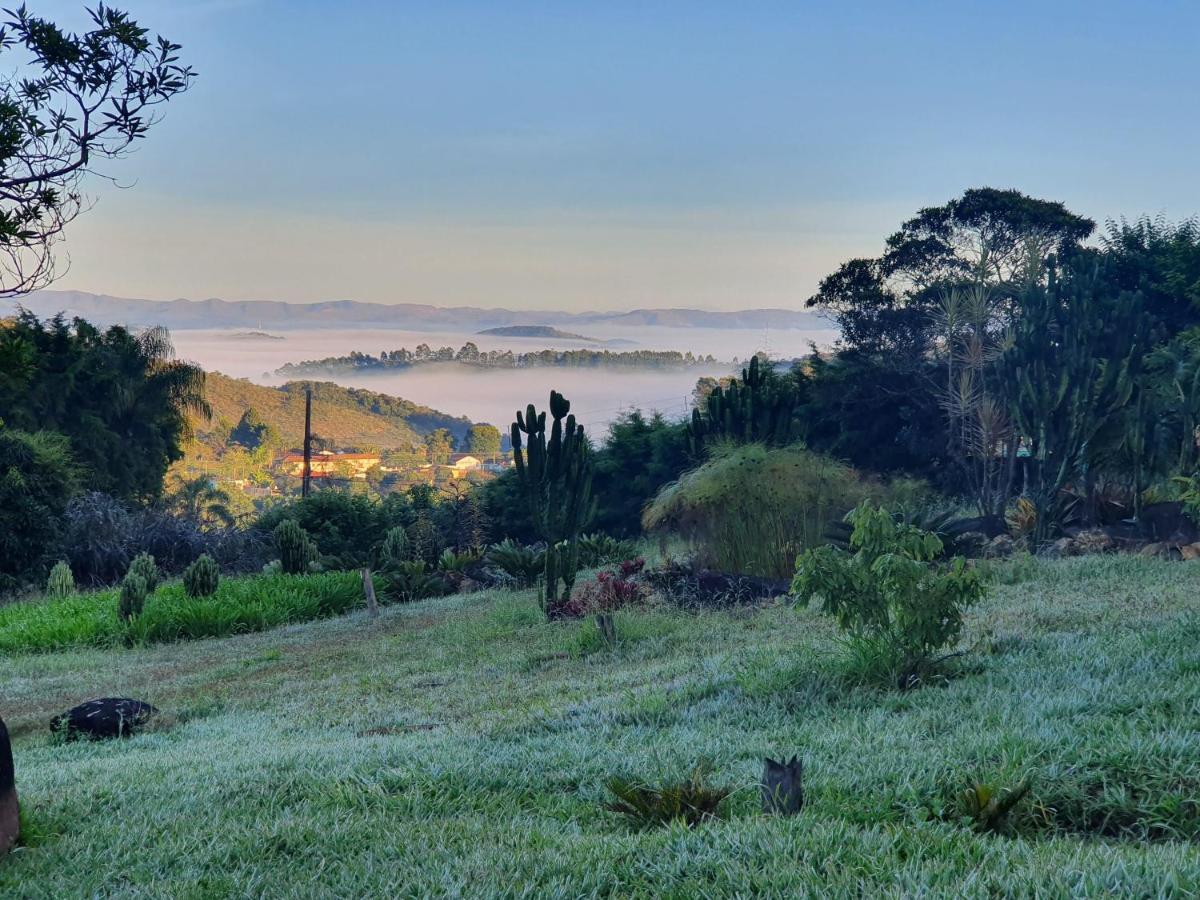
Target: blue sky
{"type": "Point", "coordinates": [613, 155]}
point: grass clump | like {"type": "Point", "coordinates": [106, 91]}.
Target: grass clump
{"type": "Point", "coordinates": [690, 802]}
{"type": "Point", "coordinates": [751, 509]}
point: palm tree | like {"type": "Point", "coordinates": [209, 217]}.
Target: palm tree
{"type": "Point", "coordinates": [200, 500]}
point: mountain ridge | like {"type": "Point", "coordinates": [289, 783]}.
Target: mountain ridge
{"type": "Point", "coordinates": [104, 309]}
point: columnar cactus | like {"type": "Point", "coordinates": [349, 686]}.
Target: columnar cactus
{"type": "Point", "coordinates": [759, 407]}
{"type": "Point", "coordinates": [133, 597]}
{"type": "Point", "coordinates": [61, 582]}
{"type": "Point", "coordinates": [144, 566]}
{"type": "Point", "coordinates": [296, 550]}
{"type": "Point", "coordinates": [396, 547]}
{"type": "Point", "coordinates": [202, 577]}
{"type": "Point", "coordinates": [556, 477]}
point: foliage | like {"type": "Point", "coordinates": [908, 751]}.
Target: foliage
{"type": "Point", "coordinates": [986, 807]}
{"type": "Point", "coordinates": [598, 549]}
{"type": "Point", "coordinates": [297, 552]}
{"type": "Point", "coordinates": [37, 479]}
{"type": "Point", "coordinates": [146, 568]}
{"type": "Point", "coordinates": [61, 582]}
{"type": "Point", "coordinates": [887, 593]}
{"type": "Point", "coordinates": [200, 500]}
{"type": "Point", "coordinates": [89, 97]}
{"type": "Point", "coordinates": [758, 407]}
{"type": "Point", "coordinates": [483, 440]}
{"type": "Point", "coordinates": [122, 399]}
{"type": "Point", "coordinates": [690, 802]}
{"type": "Point", "coordinates": [1071, 366]}
{"type": "Point", "coordinates": [396, 547]}
{"type": "Point", "coordinates": [450, 561]}
{"type": "Point", "coordinates": [556, 478]}
{"type": "Point", "coordinates": [524, 563]}
{"type": "Point", "coordinates": [202, 577]}
{"type": "Point", "coordinates": [609, 590]}
{"type": "Point", "coordinates": [411, 580]}
{"type": "Point", "coordinates": [1160, 260]}
{"type": "Point", "coordinates": [132, 597]}
{"type": "Point", "coordinates": [751, 509]}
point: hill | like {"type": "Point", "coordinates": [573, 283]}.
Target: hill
{"type": "Point", "coordinates": [461, 747]}
{"type": "Point", "coordinates": [277, 315]}
{"type": "Point", "coordinates": [349, 417]}
{"type": "Point", "coordinates": [537, 331]}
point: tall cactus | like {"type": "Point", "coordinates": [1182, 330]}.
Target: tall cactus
{"type": "Point", "coordinates": [758, 407]}
{"type": "Point", "coordinates": [556, 477]}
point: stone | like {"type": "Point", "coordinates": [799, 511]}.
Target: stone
{"type": "Point", "coordinates": [1155, 549]}
{"type": "Point", "coordinates": [1094, 540]}
{"type": "Point", "coordinates": [1190, 551]}
{"type": "Point", "coordinates": [999, 547]}
{"type": "Point", "coordinates": [104, 717]}
{"type": "Point", "coordinates": [10, 809]}
{"type": "Point", "coordinates": [1060, 548]}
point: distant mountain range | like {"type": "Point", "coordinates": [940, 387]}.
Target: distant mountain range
{"type": "Point", "coordinates": [277, 315]}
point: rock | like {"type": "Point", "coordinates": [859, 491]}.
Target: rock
{"type": "Point", "coordinates": [1062, 547]}
{"type": "Point", "coordinates": [1190, 551]}
{"type": "Point", "coordinates": [999, 547]}
{"type": "Point", "coordinates": [10, 810]}
{"type": "Point", "coordinates": [1094, 540]}
{"type": "Point", "coordinates": [106, 717]}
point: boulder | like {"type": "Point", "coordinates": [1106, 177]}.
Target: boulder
{"type": "Point", "coordinates": [999, 547]}
{"type": "Point", "coordinates": [1190, 551]}
{"type": "Point", "coordinates": [1094, 540]}
{"type": "Point", "coordinates": [10, 810]}
{"type": "Point", "coordinates": [105, 717]}
{"type": "Point", "coordinates": [1062, 547]}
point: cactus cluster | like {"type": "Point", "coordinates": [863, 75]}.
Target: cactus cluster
{"type": "Point", "coordinates": [146, 568]}
{"type": "Point", "coordinates": [396, 548]}
{"type": "Point", "coordinates": [133, 597]}
{"type": "Point", "coordinates": [61, 582]}
{"type": "Point", "coordinates": [297, 552]}
{"type": "Point", "coordinates": [759, 407]}
{"type": "Point", "coordinates": [556, 477]}
{"type": "Point", "coordinates": [202, 577]}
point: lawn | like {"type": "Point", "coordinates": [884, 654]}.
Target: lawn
{"type": "Point", "coordinates": [460, 747]}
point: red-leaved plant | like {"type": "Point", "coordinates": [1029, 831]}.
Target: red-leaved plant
{"type": "Point", "coordinates": [609, 590]}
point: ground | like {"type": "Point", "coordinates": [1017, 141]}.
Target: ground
{"type": "Point", "coordinates": [460, 747]}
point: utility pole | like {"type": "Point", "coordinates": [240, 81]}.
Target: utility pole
{"type": "Point", "coordinates": [307, 442]}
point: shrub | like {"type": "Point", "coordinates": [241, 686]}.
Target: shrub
{"type": "Point", "coordinates": [345, 526]}
{"type": "Point", "coordinates": [396, 548]}
{"type": "Point", "coordinates": [690, 802]}
{"type": "Point", "coordinates": [522, 563]}
{"type": "Point", "coordinates": [609, 590]}
{"type": "Point", "coordinates": [61, 582]}
{"type": "Point", "coordinates": [408, 581]}
{"type": "Point", "coordinates": [37, 479]}
{"type": "Point", "coordinates": [132, 597]}
{"type": "Point", "coordinates": [895, 603]}
{"type": "Point", "coordinates": [144, 567]}
{"type": "Point", "coordinates": [600, 549]}
{"type": "Point", "coordinates": [751, 510]}
{"type": "Point", "coordinates": [297, 552]}
{"type": "Point", "coordinates": [450, 561]}
{"type": "Point", "coordinates": [202, 577]}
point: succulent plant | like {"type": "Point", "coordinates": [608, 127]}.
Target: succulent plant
{"type": "Point", "coordinates": [144, 566]}
{"type": "Point", "coordinates": [133, 597]}
{"type": "Point", "coordinates": [297, 551]}
{"type": "Point", "coordinates": [61, 582]}
{"type": "Point", "coordinates": [202, 577]}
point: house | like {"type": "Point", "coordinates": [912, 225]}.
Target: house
{"type": "Point", "coordinates": [460, 466]}
{"type": "Point", "coordinates": [327, 464]}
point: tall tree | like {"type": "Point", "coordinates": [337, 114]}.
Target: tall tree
{"type": "Point", "coordinates": [77, 100]}
{"type": "Point", "coordinates": [483, 440]}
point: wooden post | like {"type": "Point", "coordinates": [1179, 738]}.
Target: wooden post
{"type": "Point", "coordinates": [307, 442]}
{"type": "Point", "coordinates": [369, 590]}
{"type": "Point", "coordinates": [607, 628]}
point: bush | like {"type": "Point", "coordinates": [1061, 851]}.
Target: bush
{"type": "Point", "coordinates": [37, 479]}
{"type": "Point", "coordinates": [202, 577]}
{"type": "Point", "coordinates": [609, 590]}
{"type": "Point", "coordinates": [396, 548]}
{"type": "Point", "coordinates": [524, 564]}
{"type": "Point", "coordinates": [297, 552]}
{"type": "Point", "coordinates": [600, 549]}
{"type": "Point", "coordinates": [345, 526]}
{"type": "Point", "coordinates": [144, 567]}
{"type": "Point", "coordinates": [896, 604]}
{"type": "Point", "coordinates": [751, 510]}
{"type": "Point", "coordinates": [132, 597]}
{"type": "Point", "coordinates": [408, 581]}
{"type": "Point", "coordinates": [61, 582]}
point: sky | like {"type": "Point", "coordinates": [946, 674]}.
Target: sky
{"type": "Point", "coordinates": [614, 155]}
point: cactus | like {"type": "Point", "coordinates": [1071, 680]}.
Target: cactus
{"type": "Point", "coordinates": [144, 566]}
{"type": "Point", "coordinates": [297, 552]}
{"type": "Point", "coordinates": [759, 407]}
{"type": "Point", "coordinates": [133, 597]}
{"type": "Point", "coordinates": [61, 582]}
{"type": "Point", "coordinates": [396, 547]}
{"type": "Point", "coordinates": [201, 578]}
{"type": "Point", "coordinates": [556, 478]}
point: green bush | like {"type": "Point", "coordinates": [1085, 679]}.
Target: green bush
{"type": "Point", "coordinates": [202, 577]}
{"type": "Point", "coordinates": [239, 606]}
{"type": "Point", "coordinates": [297, 552]}
{"type": "Point", "coordinates": [408, 581]}
{"type": "Point", "coordinates": [522, 563]}
{"type": "Point", "coordinates": [132, 597]}
{"type": "Point", "coordinates": [751, 510]}
{"type": "Point", "coordinates": [690, 802]}
{"type": "Point", "coordinates": [61, 582]}
{"type": "Point", "coordinates": [38, 476]}
{"type": "Point", "coordinates": [396, 548]}
{"type": "Point", "coordinates": [146, 568]}
{"type": "Point", "coordinates": [896, 604]}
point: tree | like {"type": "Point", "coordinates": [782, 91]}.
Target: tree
{"type": "Point", "coordinates": [87, 97]}
{"type": "Point", "coordinates": [199, 500]}
{"type": "Point", "coordinates": [37, 479]}
{"type": "Point", "coordinates": [1162, 261]}
{"type": "Point", "coordinates": [252, 432]}
{"type": "Point", "coordinates": [121, 398]}
{"type": "Point", "coordinates": [483, 440]}
{"type": "Point", "coordinates": [440, 444]}
{"type": "Point", "coordinates": [886, 304]}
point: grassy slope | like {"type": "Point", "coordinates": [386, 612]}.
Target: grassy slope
{"type": "Point", "coordinates": [498, 736]}
{"type": "Point", "coordinates": [337, 414]}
